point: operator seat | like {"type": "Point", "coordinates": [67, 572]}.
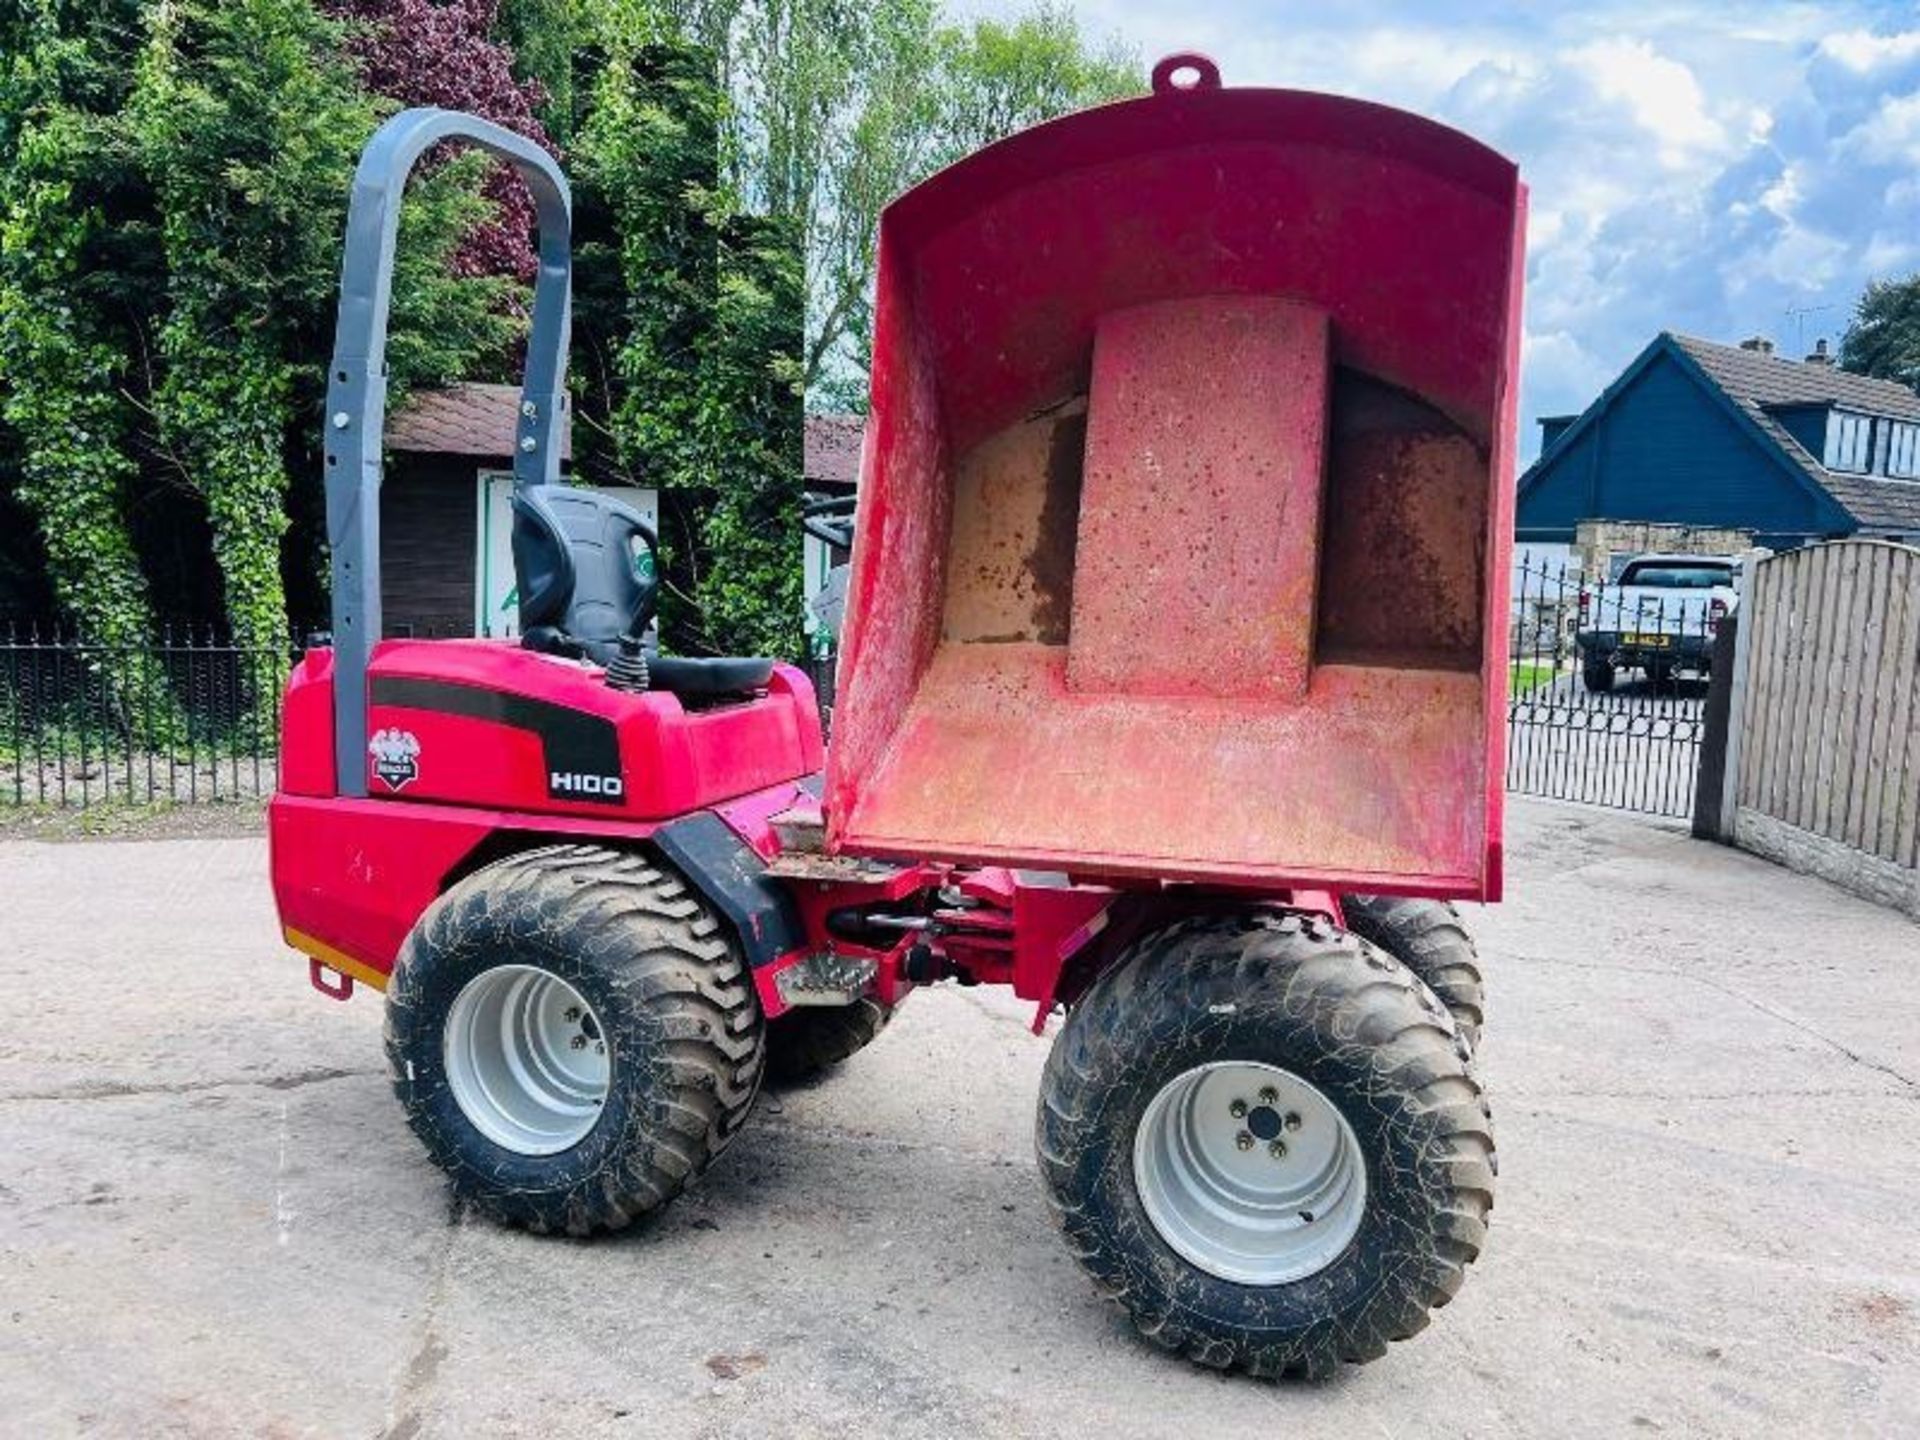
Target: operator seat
{"type": "Point", "coordinates": [581, 594]}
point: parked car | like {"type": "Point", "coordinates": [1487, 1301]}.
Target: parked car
{"type": "Point", "coordinates": [1660, 617]}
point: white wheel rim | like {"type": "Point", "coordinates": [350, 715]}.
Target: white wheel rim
{"type": "Point", "coordinates": [526, 1059]}
{"type": "Point", "coordinates": [1250, 1173]}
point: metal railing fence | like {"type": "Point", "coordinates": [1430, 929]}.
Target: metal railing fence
{"type": "Point", "coordinates": [188, 715]}
{"type": "Point", "coordinates": [1607, 689]}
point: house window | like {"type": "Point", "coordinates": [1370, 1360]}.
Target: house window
{"type": "Point", "coordinates": [1850, 442]}
{"type": "Point", "coordinates": [1903, 450]}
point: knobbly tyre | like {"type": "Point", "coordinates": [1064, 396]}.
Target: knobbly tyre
{"type": "Point", "coordinates": [1169, 700]}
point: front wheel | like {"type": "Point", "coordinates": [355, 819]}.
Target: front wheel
{"type": "Point", "coordinates": [809, 1041]}
{"type": "Point", "coordinates": [1597, 676]}
{"type": "Point", "coordinates": [1430, 939]}
{"type": "Point", "coordinates": [1262, 1139]}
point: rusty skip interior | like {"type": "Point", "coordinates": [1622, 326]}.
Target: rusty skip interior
{"type": "Point", "coordinates": [1182, 508]}
{"type": "Point", "coordinates": [1399, 564]}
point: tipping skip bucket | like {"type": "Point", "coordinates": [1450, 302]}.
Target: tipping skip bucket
{"type": "Point", "coordinates": [1185, 510]}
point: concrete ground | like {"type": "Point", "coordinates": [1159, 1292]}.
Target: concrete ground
{"type": "Point", "coordinates": [213, 1222]}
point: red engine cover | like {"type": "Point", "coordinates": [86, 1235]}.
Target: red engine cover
{"type": "Point", "coordinates": [486, 723]}
{"type": "Point", "coordinates": [471, 738]}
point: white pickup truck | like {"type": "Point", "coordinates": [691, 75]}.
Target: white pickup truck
{"type": "Point", "coordinates": [1660, 617]}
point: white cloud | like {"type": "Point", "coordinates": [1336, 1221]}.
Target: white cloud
{"type": "Point", "coordinates": [1558, 361]}
{"type": "Point", "coordinates": [1782, 197]}
{"type": "Point", "coordinates": [1718, 169]}
{"type": "Point", "coordinates": [1862, 51]}
{"type": "Point", "coordinates": [1891, 136]}
{"type": "Point", "coordinates": [1660, 93]}
{"type": "Point", "coordinates": [1799, 258]}
{"type": "Point", "coordinates": [1429, 61]}
{"type": "Point", "coordinates": [1890, 254]}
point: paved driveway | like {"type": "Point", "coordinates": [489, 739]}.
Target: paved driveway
{"type": "Point", "coordinates": [212, 1221]}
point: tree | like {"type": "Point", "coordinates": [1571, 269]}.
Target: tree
{"type": "Point", "coordinates": [931, 95]}
{"type": "Point", "coordinates": [753, 431]}
{"type": "Point", "coordinates": [228, 111]}
{"type": "Point", "coordinates": [835, 106]}
{"type": "Point", "coordinates": [850, 119]}
{"type": "Point", "coordinates": [542, 36]}
{"type": "Point", "coordinates": [65, 353]}
{"type": "Point", "coordinates": [686, 347]}
{"type": "Point", "coordinates": [248, 122]}
{"type": "Point", "coordinates": [648, 207]}
{"type": "Point", "coordinates": [998, 78]}
{"type": "Point", "coordinates": [1883, 339]}
{"type": "Point", "coordinates": [171, 203]}
{"type": "Point", "coordinates": [441, 52]}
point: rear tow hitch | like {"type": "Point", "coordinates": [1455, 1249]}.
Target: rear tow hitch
{"type": "Point", "coordinates": [328, 981]}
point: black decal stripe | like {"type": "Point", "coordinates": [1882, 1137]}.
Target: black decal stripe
{"type": "Point", "coordinates": [572, 742]}
{"type": "Point", "coordinates": [725, 869]}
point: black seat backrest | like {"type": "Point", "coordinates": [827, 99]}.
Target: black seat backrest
{"type": "Point", "coordinates": [579, 592]}
{"type": "Point", "coordinates": [573, 560]}
{"type": "Point", "coordinates": [542, 567]}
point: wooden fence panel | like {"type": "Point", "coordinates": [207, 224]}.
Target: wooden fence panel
{"type": "Point", "coordinates": [1900, 833]}
{"type": "Point", "coordinates": [1861, 778]}
{"type": "Point", "coordinates": [1830, 717]}
{"type": "Point", "coordinates": [1803, 642]}
{"type": "Point", "coordinates": [1894, 719]}
{"type": "Point", "coordinates": [1762, 676]}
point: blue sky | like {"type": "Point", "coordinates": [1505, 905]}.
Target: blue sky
{"type": "Point", "coordinates": [1720, 169]}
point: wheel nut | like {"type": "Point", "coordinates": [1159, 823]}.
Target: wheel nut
{"type": "Point", "coordinates": [573, 1014]}
{"type": "Point", "coordinates": [579, 1042]}
{"type": "Point", "coordinates": [1293, 1120]}
{"type": "Point", "coordinates": [1278, 1149]}
{"type": "Point", "coordinates": [600, 1047]}
{"type": "Point", "coordinates": [1237, 1109]}
{"type": "Point", "coordinates": [1243, 1140]}
{"type": "Point", "coordinates": [1269, 1095]}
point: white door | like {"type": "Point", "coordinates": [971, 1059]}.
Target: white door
{"type": "Point", "coordinates": [496, 600]}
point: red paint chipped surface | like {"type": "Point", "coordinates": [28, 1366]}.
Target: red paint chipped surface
{"type": "Point", "coordinates": [1186, 505]}
{"type": "Point", "coordinates": [1200, 506]}
{"type": "Point", "coordinates": [997, 761]}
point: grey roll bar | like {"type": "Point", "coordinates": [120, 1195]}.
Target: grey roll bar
{"type": "Point", "coordinates": [355, 423]}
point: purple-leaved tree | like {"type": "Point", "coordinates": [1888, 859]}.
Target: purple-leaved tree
{"type": "Point", "coordinates": [440, 52]}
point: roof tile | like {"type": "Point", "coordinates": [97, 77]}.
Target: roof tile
{"type": "Point", "coordinates": [1760, 383]}
{"type": "Point", "coordinates": [1753, 377]}
{"type": "Point", "coordinates": [464, 419]}
{"type": "Point", "coordinates": [833, 448]}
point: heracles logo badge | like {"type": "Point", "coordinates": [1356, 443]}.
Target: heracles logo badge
{"type": "Point", "coordinates": [396, 757]}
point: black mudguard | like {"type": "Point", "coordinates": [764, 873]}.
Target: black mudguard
{"type": "Point", "coordinates": [734, 880]}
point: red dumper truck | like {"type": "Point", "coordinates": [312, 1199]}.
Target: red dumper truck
{"type": "Point", "coordinates": [1170, 699]}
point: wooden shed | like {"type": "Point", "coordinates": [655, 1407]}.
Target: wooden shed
{"type": "Point", "coordinates": [446, 565]}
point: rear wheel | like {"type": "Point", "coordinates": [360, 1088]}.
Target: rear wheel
{"type": "Point", "coordinates": [808, 1040]}
{"type": "Point", "coordinates": [1261, 1138]}
{"type": "Point", "coordinates": [1429, 938]}
{"type": "Point", "coordinates": [573, 1037]}
{"type": "Point", "coordinates": [1597, 675]}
